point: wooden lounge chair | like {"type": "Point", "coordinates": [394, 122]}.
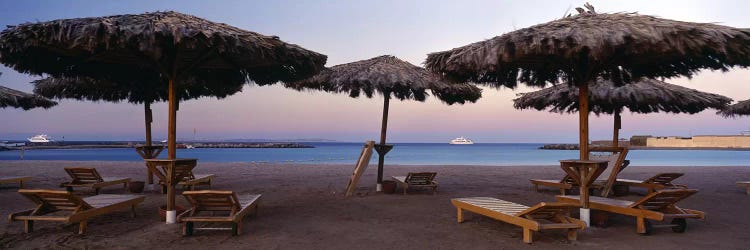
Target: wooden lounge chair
{"type": "Point", "coordinates": [423, 179]}
{"type": "Point", "coordinates": [656, 182]}
{"type": "Point", "coordinates": [658, 206]}
{"type": "Point", "coordinates": [190, 180]}
{"type": "Point", "coordinates": [50, 202]}
{"type": "Point", "coordinates": [236, 206]}
{"type": "Point", "coordinates": [606, 180]}
{"type": "Point", "coordinates": [15, 179]}
{"type": "Point", "coordinates": [90, 178]}
{"type": "Point", "coordinates": [540, 217]}
{"type": "Point", "coordinates": [745, 184]}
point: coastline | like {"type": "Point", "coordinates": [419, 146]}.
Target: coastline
{"type": "Point", "coordinates": [303, 207]}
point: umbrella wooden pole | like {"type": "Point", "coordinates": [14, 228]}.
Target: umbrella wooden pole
{"type": "Point", "coordinates": [149, 119]}
{"type": "Point", "coordinates": [383, 129]}
{"type": "Point", "coordinates": [616, 132]}
{"type": "Point", "coordinates": [172, 151]}
{"type": "Point", "coordinates": [583, 120]}
{"type": "Point", "coordinates": [172, 128]}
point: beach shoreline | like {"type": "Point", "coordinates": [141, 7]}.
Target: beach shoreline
{"type": "Point", "coordinates": [303, 207]}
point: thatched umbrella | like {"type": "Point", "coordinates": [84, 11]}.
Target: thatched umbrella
{"type": "Point", "coordinates": [621, 47]}
{"type": "Point", "coordinates": [389, 77]}
{"type": "Point", "coordinates": [644, 96]}
{"type": "Point", "coordinates": [173, 48]}
{"type": "Point", "coordinates": [737, 109]}
{"type": "Point", "coordinates": [18, 99]}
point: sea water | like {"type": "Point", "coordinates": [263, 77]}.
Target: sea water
{"type": "Point", "coordinates": [496, 154]}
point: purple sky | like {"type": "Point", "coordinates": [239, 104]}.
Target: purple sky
{"type": "Point", "coordinates": [354, 30]}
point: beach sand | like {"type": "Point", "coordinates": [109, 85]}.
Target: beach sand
{"type": "Point", "coordinates": [303, 207]}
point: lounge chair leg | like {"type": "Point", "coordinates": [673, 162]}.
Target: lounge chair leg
{"type": "Point", "coordinates": [536, 187]}
{"type": "Point", "coordinates": [132, 210]}
{"type": "Point", "coordinates": [643, 226]}
{"type": "Point", "coordinates": [20, 185]}
{"type": "Point", "coordinates": [28, 226]}
{"type": "Point", "coordinates": [405, 186]}
{"type": "Point", "coordinates": [562, 191]}
{"type": "Point", "coordinates": [96, 191]}
{"type": "Point", "coordinates": [82, 227]}
{"type": "Point", "coordinates": [187, 229]}
{"type": "Point", "coordinates": [527, 235]}
{"type": "Point", "coordinates": [572, 234]}
{"type": "Point", "coordinates": [235, 229]}
{"type": "Point", "coordinates": [69, 189]}
{"type": "Point", "coordinates": [163, 189]}
{"type": "Point", "coordinates": [434, 190]}
{"type": "Point", "coordinates": [460, 215]}
{"type": "Point", "coordinates": [748, 190]}
{"type": "Point", "coordinates": [125, 185]}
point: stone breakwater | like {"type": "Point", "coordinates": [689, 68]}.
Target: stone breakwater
{"type": "Point", "coordinates": [560, 146]}
{"type": "Point", "coordinates": [33, 146]}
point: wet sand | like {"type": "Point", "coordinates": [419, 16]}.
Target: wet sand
{"type": "Point", "coordinates": [303, 207]}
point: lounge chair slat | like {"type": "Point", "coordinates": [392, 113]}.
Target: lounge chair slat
{"type": "Point", "coordinates": [658, 206]}
{"type": "Point", "coordinates": [520, 215]}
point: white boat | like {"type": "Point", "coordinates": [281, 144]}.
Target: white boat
{"type": "Point", "coordinates": [40, 138]}
{"type": "Point", "coordinates": [461, 141]}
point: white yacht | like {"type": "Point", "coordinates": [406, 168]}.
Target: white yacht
{"type": "Point", "coordinates": [40, 138]}
{"type": "Point", "coordinates": [461, 141]}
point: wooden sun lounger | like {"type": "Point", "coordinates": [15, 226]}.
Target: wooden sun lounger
{"type": "Point", "coordinates": [658, 206]}
{"type": "Point", "coordinates": [606, 181]}
{"type": "Point", "coordinates": [745, 184]}
{"type": "Point", "coordinates": [540, 217]}
{"type": "Point", "coordinates": [423, 179]}
{"type": "Point", "coordinates": [657, 182]}
{"type": "Point", "coordinates": [49, 202]}
{"type": "Point", "coordinates": [15, 179]}
{"type": "Point", "coordinates": [190, 180]}
{"type": "Point", "coordinates": [90, 178]}
{"type": "Point", "coordinates": [236, 206]}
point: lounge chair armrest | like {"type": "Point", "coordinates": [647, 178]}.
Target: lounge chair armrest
{"type": "Point", "coordinates": [185, 213]}
{"type": "Point", "coordinates": [13, 216]}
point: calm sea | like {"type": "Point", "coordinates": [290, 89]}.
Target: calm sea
{"type": "Point", "coordinates": [403, 153]}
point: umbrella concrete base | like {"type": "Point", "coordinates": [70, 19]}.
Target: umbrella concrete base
{"type": "Point", "coordinates": [379, 187]}
{"type": "Point", "coordinates": [585, 216]}
{"type": "Point", "coordinates": [171, 216]}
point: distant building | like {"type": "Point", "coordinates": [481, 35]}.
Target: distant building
{"type": "Point", "coordinates": [698, 141]}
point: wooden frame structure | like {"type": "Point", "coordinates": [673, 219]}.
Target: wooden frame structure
{"type": "Point", "coordinates": [213, 201]}
{"type": "Point", "coordinates": [15, 179]}
{"type": "Point", "coordinates": [540, 217]}
{"type": "Point", "coordinates": [658, 206]}
{"type": "Point", "coordinates": [81, 209]}
{"type": "Point", "coordinates": [90, 178]}
{"type": "Point", "coordinates": [364, 159]}
{"type": "Point", "coordinates": [615, 166]}
{"type": "Point", "coordinates": [188, 179]}
{"type": "Point", "coordinates": [420, 179]}
{"type": "Point", "coordinates": [656, 182]}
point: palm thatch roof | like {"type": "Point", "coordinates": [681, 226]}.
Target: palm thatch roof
{"type": "Point", "coordinates": [621, 47]}
{"type": "Point", "coordinates": [388, 76]}
{"type": "Point", "coordinates": [645, 96]}
{"type": "Point", "coordinates": [154, 45]}
{"type": "Point", "coordinates": [86, 88]}
{"type": "Point", "coordinates": [17, 99]}
{"type": "Point", "coordinates": [737, 109]}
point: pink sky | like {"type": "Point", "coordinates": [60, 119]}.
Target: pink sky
{"type": "Point", "coordinates": [347, 31]}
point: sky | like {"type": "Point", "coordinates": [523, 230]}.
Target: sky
{"type": "Point", "coordinates": [352, 30]}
